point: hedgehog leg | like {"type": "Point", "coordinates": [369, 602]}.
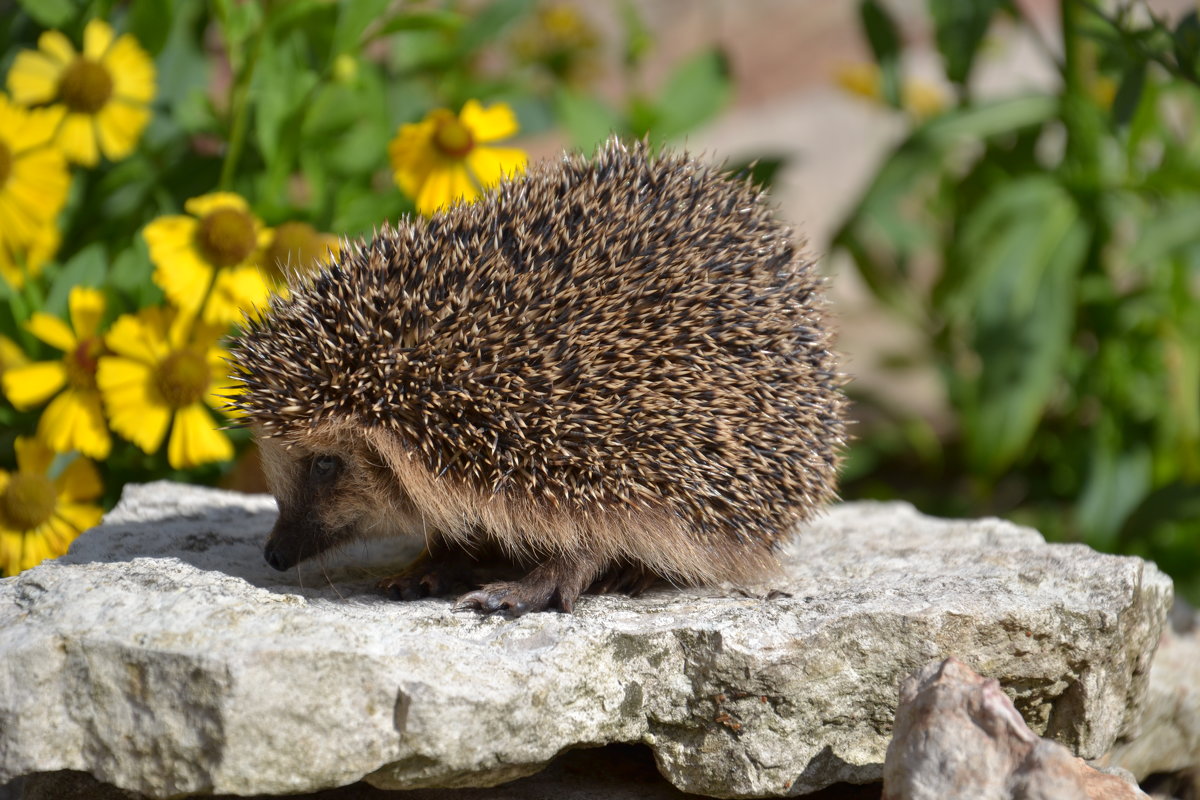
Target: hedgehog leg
{"type": "Point", "coordinates": [555, 583]}
{"type": "Point", "coordinates": [434, 573]}
{"type": "Point", "coordinates": [630, 579]}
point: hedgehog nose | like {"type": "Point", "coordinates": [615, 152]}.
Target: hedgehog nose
{"type": "Point", "coordinates": [275, 558]}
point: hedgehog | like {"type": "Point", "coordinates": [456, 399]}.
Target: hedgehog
{"type": "Point", "coordinates": [604, 373]}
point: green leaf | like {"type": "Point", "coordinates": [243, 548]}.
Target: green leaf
{"type": "Point", "coordinates": [49, 13]}
{"type": "Point", "coordinates": [959, 28]}
{"type": "Point", "coordinates": [984, 120]}
{"type": "Point", "coordinates": [884, 38]}
{"type": "Point", "coordinates": [1129, 94]}
{"type": "Point", "coordinates": [150, 23]}
{"type": "Point", "coordinates": [283, 84]}
{"type": "Point", "coordinates": [353, 19]}
{"type": "Point", "coordinates": [638, 38]}
{"type": "Point", "coordinates": [430, 20]}
{"type": "Point", "coordinates": [1187, 44]}
{"type": "Point", "coordinates": [87, 268]}
{"type": "Point", "coordinates": [486, 24]}
{"type": "Point", "coordinates": [587, 119]}
{"type": "Point", "coordinates": [1174, 225]}
{"type": "Point", "coordinates": [130, 276]}
{"type": "Point", "coordinates": [1029, 242]}
{"type": "Point", "coordinates": [1117, 484]}
{"type": "Point", "coordinates": [694, 93]}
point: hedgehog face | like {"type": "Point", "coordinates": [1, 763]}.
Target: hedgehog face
{"type": "Point", "coordinates": [330, 493]}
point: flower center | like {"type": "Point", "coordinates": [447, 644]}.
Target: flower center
{"type": "Point", "coordinates": [5, 164]}
{"type": "Point", "coordinates": [82, 361]}
{"type": "Point", "coordinates": [296, 245]}
{"type": "Point", "coordinates": [27, 502]}
{"type": "Point", "coordinates": [85, 86]}
{"type": "Point", "coordinates": [183, 378]}
{"type": "Point", "coordinates": [450, 136]}
{"type": "Point", "coordinates": [226, 236]}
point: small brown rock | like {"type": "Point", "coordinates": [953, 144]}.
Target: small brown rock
{"type": "Point", "coordinates": [958, 735]}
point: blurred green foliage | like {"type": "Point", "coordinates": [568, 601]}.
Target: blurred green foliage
{"type": "Point", "coordinates": [1045, 247]}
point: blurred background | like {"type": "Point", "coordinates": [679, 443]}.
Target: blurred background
{"type": "Point", "coordinates": [1005, 195]}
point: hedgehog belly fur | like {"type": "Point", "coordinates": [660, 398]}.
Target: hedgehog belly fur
{"type": "Point", "coordinates": [624, 359]}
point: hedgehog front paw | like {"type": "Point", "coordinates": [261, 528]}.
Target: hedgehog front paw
{"type": "Point", "coordinates": [514, 598]}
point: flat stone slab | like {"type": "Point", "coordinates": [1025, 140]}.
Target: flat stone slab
{"type": "Point", "coordinates": [162, 655]}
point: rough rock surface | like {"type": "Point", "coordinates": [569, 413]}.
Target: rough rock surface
{"type": "Point", "coordinates": [163, 656]}
{"type": "Point", "coordinates": [1168, 734]}
{"type": "Point", "coordinates": [958, 735]}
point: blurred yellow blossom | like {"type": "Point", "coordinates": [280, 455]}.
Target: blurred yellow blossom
{"type": "Point", "coordinates": [21, 261]}
{"type": "Point", "coordinates": [299, 247]}
{"type": "Point", "coordinates": [105, 89]}
{"type": "Point", "coordinates": [163, 372]}
{"type": "Point", "coordinates": [919, 97]}
{"type": "Point", "coordinates": [440, 159]}
{"type": "Point", "coordinates": [33, 187]}
{"type": "Point", "coordinates": [74, 419]}
{"type": "Point", "coordinates": [40, 515]}
{"type": "Point", "coordinates": [11, 355]}
{"type": "Point", "coordinates": [220, 244]}
{"type": "Point", "coordinates": [561, 41]}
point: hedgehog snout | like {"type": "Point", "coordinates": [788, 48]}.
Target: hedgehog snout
{"type": "Point", "coordinates": [275, 558]}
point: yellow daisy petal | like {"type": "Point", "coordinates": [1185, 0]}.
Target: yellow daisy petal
{"type": "Point", "coordinates": [87, 307]}
{"type": "Point", "coordinates": [52, 330]}
{"type": "Point", "coordinates": [490, 164]}
{"type": "Point", "coordinates": [33, 78]}
{"type": "Point", "coordinates": [79, 516]}
{"type": "Point", "coordinates": [443, 187]}
{"type": "Point", "coordinates": [57, 46]}
{"type": "Point", "coordinates": [79, 482]}
{"type": "Point", "coordinates": [29, 386]}
{"type": "Point", "coordinates": [238, 290]}
{"type": "Point", "coordinates": [11, 355]}
{"type": "Point", "coordinates": [204, 204]}
{"type": "Point", "coordinates": [119, 126]}
{"type": "Point", "coordinates": [77, 138]}
{"type": "Point", "coordinates": [33, 456]}
{"type": "Point", "coordinates": [75, 421]}
{"type": "Point", "coordinates": [136, 407]}
{"type": "Point", "coordinates": [132, 71]}
{"type": "Point", "coordinates": [196, 440]}
{"type": "Point", "coordinates": [490, 124]}
{"type": "Point", "coordinates": [97, 37]}
{"type": "Point", "coordinates": [11, 544]}
{"type": "Point", "coordinates": [140, 336]}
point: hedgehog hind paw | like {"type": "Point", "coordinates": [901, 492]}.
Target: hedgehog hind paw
{"type": "Point", "coordinates": [428, 575]}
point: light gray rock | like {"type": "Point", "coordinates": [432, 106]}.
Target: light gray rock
{"type": "Point", "coordinates": [958, 735]}
{"type": "Point", "coordinates": [163, 656]}
{"type": "Point", "coordinates": [1168, 733]}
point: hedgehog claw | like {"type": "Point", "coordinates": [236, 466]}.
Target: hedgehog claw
{"type": "Point", "coordinates": [504, 598]}
{"type": "Point", "coordinates": [427, 576]}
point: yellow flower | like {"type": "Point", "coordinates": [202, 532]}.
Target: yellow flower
{"type": "Point", "coordinates": [918, 97]}
{"type": "Point", "coordinates": [220, 244]}
{"type": "Point", "coordinates": [106, 90]}
{"type": "Point", "coordinates": [73, 420]}
{"type": "Point", "coordinates": [561, 41]}
{"type": "Point", "coordinates": [33, 185]}
{"type": "Point", "coordinates": [41, 515]}
{"type": "Point", "coordinates": [18, 262]}
{"type": "Point", "coordinates": [300, 247]}
{"type": "Point", "coordinates": [439, 160]}
{"type": "Point", "coordinates": [163, 372]}
{"type": "Point", "coordinates": [11, 355]}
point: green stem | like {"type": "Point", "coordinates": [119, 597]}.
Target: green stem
{"type": "Point", "coordinates": [239, 101]}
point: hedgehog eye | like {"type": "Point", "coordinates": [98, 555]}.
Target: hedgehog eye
{"type": "Point", "coordinates": [324, 467]}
